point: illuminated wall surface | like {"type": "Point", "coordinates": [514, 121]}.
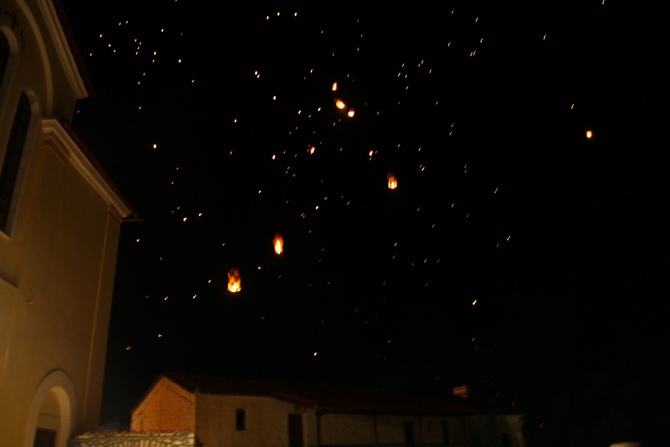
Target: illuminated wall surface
{"type": "Point", "coordinates": [58, 240]}
{"type": "Point", "coordinates": [171, 407]}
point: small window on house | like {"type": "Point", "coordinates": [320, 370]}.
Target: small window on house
{"type": "Point", "coordinates": [504, 440]}
{"type": "Point", "coordinates": [445, 431]}
{"type": "Point", "coordinates": [240, 423]}
{"type": "Point", "coordinates": [13, 152]}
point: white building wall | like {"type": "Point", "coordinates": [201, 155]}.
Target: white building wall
{"type": "Point", "coordinates": [58, 249]}
{"type": "Point", "coordinates": [347, 429]}
{"type": "Point", "coordinates": [432, 430]}
{"type": "Point", "coordinates": [486, 430]}
{"type": "Point", "coordinates": [266, 423]}
{"type": "Point", "coordinates": [390, 429]}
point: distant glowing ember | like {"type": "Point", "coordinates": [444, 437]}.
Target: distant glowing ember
{"type": "Point", "coordinates": [393, 183]}
{"type": "Point", "coordinates": [589, 134]}
{"type": "Point", "coordinates": [351, 113]}
{"type": "Point", "coordinates": [234, 281]}
{"type": "Point", "coordinates": [340, 104]}
{"type": "Point", "coordinates": [311, 150]}
{"type": "Point", "coordinates": [334, 86]}
{"type": "Point", "coordinates": [279, 243]}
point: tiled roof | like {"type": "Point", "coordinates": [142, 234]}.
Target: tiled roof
{"type": "Point", "coordinates": [325, 398]}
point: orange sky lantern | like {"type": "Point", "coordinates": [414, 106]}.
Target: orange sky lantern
{"type": "Point", "coordinates": [589, 134]}
{"type": "Point", "coordinates": [334, 86]}
{"type": "Point", "coordinates": [340, 104]}
{"type": "Point", "coordinates": [351, 113]}
{"type": "Point", "coordinates": [234, 281]}
{"type": "Point", "coordinates": [392, 181]}
{"type": "Point", "coordinates": [279, 243]}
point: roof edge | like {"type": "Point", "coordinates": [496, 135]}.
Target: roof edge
{"type": "Point", "coordinates": [174, 378]}
{"type": "Point", "coordinates": [73, 47]}
{"type": "Point", "coordinates": [87, 165]}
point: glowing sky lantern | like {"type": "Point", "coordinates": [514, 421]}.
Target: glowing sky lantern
{"type": "Point", "coordinates": [392, 181]}
{"type": "Point", "coordinates": [351, 113]}
{"type": "Point", "coordinates": [334, 86]}
{"type": "Point", "coordinates": [589, 134]}
{"type": "Point", "coordinates": [340, 104]}
{"type": "Point", "coordinates": [234, 281]}
{"type": "Point", "coordinates": [279, 243]}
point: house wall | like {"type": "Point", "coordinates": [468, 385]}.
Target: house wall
{"type": "Point", "coordinates": [432, 433]}
{"type": "Point", "coordinates": [168, 407]}
{"type": "Point", "coordinates": [347, 429]}
{"type": "Point", "coordinates": [358, 429]}
{"type": "Point", "coordinates": [486, 430]}
{"type": "Point", "coordinates": [57, 273]}
{"type": "Point", "coordinates": [390, 429]}
{"type": "Point", "coordinates": [58, 257]}
{"type": "Point", "coordinates": [266, 421]}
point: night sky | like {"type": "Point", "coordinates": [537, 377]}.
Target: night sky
{"type": "Point", "coordinates": [516, 255]}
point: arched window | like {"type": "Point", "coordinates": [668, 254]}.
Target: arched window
{"type": "Point", "coordinates": [10, 165]}
{"type": "Point", "coordinates": [4, 56]}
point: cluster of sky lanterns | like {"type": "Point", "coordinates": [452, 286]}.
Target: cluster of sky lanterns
{"type": "Point", "coordinates": [341, 105]}
{"type": "Point", "coordinates": [234, 281]}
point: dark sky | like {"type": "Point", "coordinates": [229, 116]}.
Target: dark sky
{"type": "Point", "coordinates": [479, 110]}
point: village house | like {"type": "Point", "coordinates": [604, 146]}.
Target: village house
{"type": "Point", "coordinates": [246, 413]}
{"type": "Point", "coordinates": [60, 217]}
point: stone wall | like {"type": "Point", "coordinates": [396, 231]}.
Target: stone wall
{"type": "Point", "coordinates": [132, 439]}
{"type": "Point", "coordinates": [168, 407]}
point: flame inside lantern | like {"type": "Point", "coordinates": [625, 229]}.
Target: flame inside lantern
{"type": "Point", "coordinates": [234, 281]}
{"type": "Point", "coordinates": [351, 113]}
{"type": "Point", "coordinates": [279, 243]}
{"type": "Point", "coordinates": [392, 181]}
{"type": "Point", "coordinates": [340, 104]}
{"type": "Point", "coordinates": [589, 134]}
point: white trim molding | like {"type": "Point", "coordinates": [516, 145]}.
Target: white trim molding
{"type": "Point", "coordinates": [53, 128]}
{"type": "Point", "coordinates": [48, 107]}
{"type": "Point", "coordinates": [63, 48]}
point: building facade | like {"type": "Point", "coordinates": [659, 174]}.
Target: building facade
{"type": "Point", "coordinates": [241, 413]}
{"type": "Point", "coordinates": [60, 218]}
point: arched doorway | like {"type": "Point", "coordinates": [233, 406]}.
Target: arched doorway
{"type": "Point", "coordinates": [51, 416]}
{"type": "Point", "coordinates": [48, 421]}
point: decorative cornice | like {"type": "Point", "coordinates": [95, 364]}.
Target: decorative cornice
{"type": "Point", "coordinates": [63, 48]}
{"type": "Point", "coordinates": [53, 129]}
